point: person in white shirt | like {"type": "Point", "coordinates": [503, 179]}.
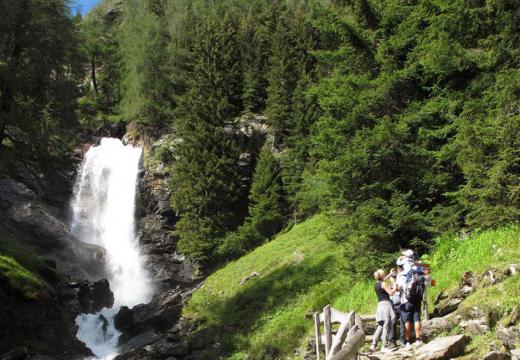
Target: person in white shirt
{"type": "Point", "coordinates": [410, 312]}
{"type": "Point", "coordinates": [396, 302]}
{"type": "Point", "coordinates": [407, 261]}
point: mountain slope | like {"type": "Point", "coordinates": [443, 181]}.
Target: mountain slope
{"type": "Point", "coordinates": [302, 270]}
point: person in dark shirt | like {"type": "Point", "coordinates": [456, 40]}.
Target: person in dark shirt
{"type": "Point", "coordinates": [385, 311]}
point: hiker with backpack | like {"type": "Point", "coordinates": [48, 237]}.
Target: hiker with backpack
{"type": "Point", "coordinates": [385, 312]}
{"type": "Point", "coordinates": [411, 284]}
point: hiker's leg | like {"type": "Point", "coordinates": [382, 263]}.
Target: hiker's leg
{"type": "Point", "coordinates": [387, 328]}
{"type": "Point", "coordinates": [401, 331]}
{"type": "Point", "coordinates": [377, 334]}
{"type": "Point", "coordinates": [417, 321]}
{"type": "Point", "coordinates": [407, 330]}
{"type": "Point", "coordinates": [393, 329]}
{"type": "Point", "coordinates": [406, 319]}
{"type": "Point", "coordinates": [418, 330]}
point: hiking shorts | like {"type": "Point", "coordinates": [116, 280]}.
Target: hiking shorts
{"type": "Point", "coordinates": [411, 312]}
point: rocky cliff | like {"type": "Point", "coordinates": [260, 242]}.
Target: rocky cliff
{"type": "Point", "coordinates": [155, 217]}
{"type": "Point", "coordinates": [39, 259]}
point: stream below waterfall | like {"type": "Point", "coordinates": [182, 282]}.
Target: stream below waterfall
{"type": "Point", "coordinates": [103, 213]}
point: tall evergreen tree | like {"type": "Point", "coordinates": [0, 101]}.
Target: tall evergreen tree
{"type": "Point", "coordinates": [281, 77]}
{"type": "Point", "coordinates": [255, 50]}
{"type": "Point", "coordinates": [266, 201]}
{"type": "Point", "coordinates": [101, 97]}
{"type": "Point", "coordinates": [39, 71]}
{"type": "Point", "coordinates": [147, 89]}
{"type": "Point", "coordinates": [295, 155]}
{"type": "Point", "coordinates": [206, 177]}
{"type": "Point", "coordinates": [266, 208]}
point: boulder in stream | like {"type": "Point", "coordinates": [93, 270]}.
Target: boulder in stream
{"type": "Point", "coordinates": [94, 296]}
{"type": "Point", "coordinates": [160, 314]}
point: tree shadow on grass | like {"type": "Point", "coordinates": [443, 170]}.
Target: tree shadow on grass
{"type": "Point", "coordinates": [234, 319]}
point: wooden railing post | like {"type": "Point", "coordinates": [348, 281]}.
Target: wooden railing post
{"type": "Point", "coordinates": [346, 342]}
{"type": "Point", "coordinates": [317, 328]}
{"type": "Point", "coordinates": [328, 329]}
{"type": "Point", "coordinates": [341, 335]}
{"type": "Point", "coordinates": [355, 340]}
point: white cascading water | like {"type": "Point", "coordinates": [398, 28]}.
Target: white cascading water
{"type": "Point", "coordinates": [103, 211]}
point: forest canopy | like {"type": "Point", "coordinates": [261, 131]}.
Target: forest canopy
{"type": "Point", "coordinates": [399, 118]}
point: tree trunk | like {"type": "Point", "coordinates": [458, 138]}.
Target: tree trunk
{"type": "Point", "coordinates": [93, 72]}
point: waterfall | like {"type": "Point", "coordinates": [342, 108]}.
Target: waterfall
{"type": "Point", "coordinates": [103, 210]}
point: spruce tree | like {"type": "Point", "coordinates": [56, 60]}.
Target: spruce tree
{"type": "Point", "coordinates": [281, 77]}
{"type": "Point", "coordinates": [206, 177]}
{"type": "Point", "coordinates": [296, 153]}
{"type": "Point", "coordinates": [255, 51]}
{"type": "Point", "coordinates": [39, 73]}
{"type": "Point", "coordinates": [266, 208]}
{"type": "Point", "coordinates": [266, 201]}
{"type": "Point", "coordinates": [147, 89]}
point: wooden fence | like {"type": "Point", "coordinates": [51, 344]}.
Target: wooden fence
{"type": "Point", "coordinates": [344, 343]}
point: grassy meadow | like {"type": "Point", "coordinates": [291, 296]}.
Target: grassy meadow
{"type": "Point", "coordinates": [302, 270]}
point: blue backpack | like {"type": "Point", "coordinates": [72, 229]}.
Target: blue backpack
{"type": "Point", "coordinates": [416, 285]}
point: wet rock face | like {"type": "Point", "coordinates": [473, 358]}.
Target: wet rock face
{"type": "Point", "coordinates": [40, 325]}
{"type": "Point", "coordinates": [38, 229]}
{"type": "Point", "coordinates": [181, 341]}
{"type": "Point", "coordinates": [156, 220]}
{"type": "Point", "coordinates": [141, 340]}
{"type": "Point", "coordinates": [94, 296]}
{"type": "Point", "coordinates": [160, 314]}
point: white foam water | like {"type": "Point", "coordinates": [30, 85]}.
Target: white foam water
{"type": "Point", "coordinates": [103, 213]}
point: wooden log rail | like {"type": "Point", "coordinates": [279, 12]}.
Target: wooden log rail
{"type": "Point", "coordinates": [343, 344]}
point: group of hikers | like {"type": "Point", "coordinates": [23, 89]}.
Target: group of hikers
{"type": "Point", "coordinates": [401, 295]}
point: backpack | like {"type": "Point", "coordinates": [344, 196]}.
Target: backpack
{"type": "Point", "coordinates": [415, 288]}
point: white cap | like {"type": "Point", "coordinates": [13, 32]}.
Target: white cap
{"type": "Point", "coordinates": [400, 262]}
{"type": "Point", "coordinates": [408, 253]}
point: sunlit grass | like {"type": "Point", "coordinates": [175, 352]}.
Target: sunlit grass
{"type": "Point", "coordinates": [28, 260]}
{"type": "Point", "coordinates": [476, 253]}
{"type": "Point", "coordinates": [302, 270]}
{"type": "Point", "coordinates": [25, 282]}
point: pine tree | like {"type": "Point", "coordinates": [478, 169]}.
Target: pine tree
{"type": "Point", "coordinates": [281, 77]}
{"type": "Point", "coordinates": [266, 208]}
{"type": "Point", "coordinates": [101, 51]}
{"type": "Point", "coordinates": [254, 59]}
{"type": "Point", "coordinates": [206, 177]}
{"type": "Point", "coordinates": [296, 154]}
{"type": "Point", "coordinates": [266, 201]}
{"type": "Point", "coordinates": [147, 89]}
{"type": "Point", "coordinates": [39, 72]}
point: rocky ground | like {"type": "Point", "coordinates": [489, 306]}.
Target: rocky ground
{"type": "Point", "coordinates": [451, 327]}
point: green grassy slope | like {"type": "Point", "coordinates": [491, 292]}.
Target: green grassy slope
{"type": "Point", "coordinates": [301, 271]}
